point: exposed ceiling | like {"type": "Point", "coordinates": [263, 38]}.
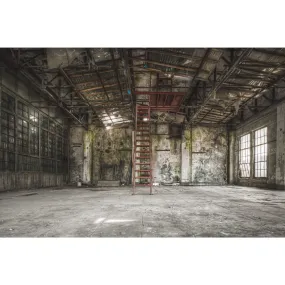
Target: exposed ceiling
{"type": "Point", "coordinates": [192, 85]}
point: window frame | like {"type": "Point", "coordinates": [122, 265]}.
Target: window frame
{"type": "Point", "coordinates": [240, 154]}
{"type": "Point", "coordinates": [15, 160]}
{"type": "Point", "coordinates": [265, 156]}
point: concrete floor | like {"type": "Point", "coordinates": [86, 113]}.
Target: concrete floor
{"type": "Point", "coordinates": [216, 211]}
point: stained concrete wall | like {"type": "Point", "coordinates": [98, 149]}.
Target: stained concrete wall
{"type": "Point", "coordinates": [166, 155]}
{"type": "Point", "coordinates": [76, 153]}
{"type": "Point", "coordinates": [197, 156]}
{"type": "Point", "coordinates": [209, 155]}
{"type": "Point", "coordinates": [112, 154]}
{"type": "Point", "coordinates": [100, 154]}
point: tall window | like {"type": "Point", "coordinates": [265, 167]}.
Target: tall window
{"type": "Point", "coordinates": [7, 145]}
{"type": "Point", "coordinates": [260, 153]}
{"type": "Point", "coordinates": [244, 156]}
{"type": "Point", "coordinates": [32, 139]}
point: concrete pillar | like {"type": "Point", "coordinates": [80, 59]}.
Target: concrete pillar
{"type": "Point", "coordinates": [185, 157]}
{"type": "Point", "coordinates": [280, 147]}
{"type": "Point", "coordinates": [76, 153]}
{"type": "Point", "coordinates": [231, 159]}
{"type": "Point", "coordinates": [87, 159]}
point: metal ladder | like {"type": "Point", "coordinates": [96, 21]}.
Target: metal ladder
{"type": "Point", "coordinates": [142, 172]}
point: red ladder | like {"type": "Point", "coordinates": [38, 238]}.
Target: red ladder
{"type": "Point", "coordinates": [142, 172]}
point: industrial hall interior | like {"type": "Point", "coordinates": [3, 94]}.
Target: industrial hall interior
{"type": "Point", "coordinates": [142, 142]}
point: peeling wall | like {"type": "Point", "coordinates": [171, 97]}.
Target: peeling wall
{"type": "Point", "coordinates": [166, 155]}
{"type": "Point", "coordinates": [209, 155]}
{"type": "Point", "coordinates": [112, 154]}
{"type": "Point", "coordinates": [100, 154]}
{"type": "Point", "coordinates": [76, 153]}
{"type": "Point", "coordinates": [195, 156]}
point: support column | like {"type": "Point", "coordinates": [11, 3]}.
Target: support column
{"type": "Point", "coordinates": [280, 148]}
{"type": "Point", "coordinates": [231, 158]}
{"type": "Point", "coordinates": [87, 162]}
{"type": "Point", "coordinates": [185, 157]}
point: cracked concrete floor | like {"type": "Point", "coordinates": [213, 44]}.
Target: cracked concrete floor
{"type": "Point", "coordinates": [213, 211]}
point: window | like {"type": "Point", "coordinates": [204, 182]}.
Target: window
{"type": "Point", "coordinates": [34, 116]}
{"type": "Point", "coordinates": [27, 163]}
{"type": "Point", "coordinates": [44, 143]}
{"type": "Point", "coordinates": [34, 140]}
{"type": "Point", "coordinates": [7, 102]}
{"type": "Point", "coordinates": [23, 136]}
{"type": "Point", "coordinates": [25, 133]}
{"type": "Point", "coordinates": [52, 126]}
{"type": "Point", "coordinates": [59, 130]}
{"type": "Point", "coordinates": [23, 110]}
{"type": "Point", "coordinates": [7, 131]}
{"type": "Point", "coordinates": [48, 165]}
{"type": "Point", "coordinates": [51, 145]}
{"type": "Point", "coordinates": [59, 152]}
{"type": "Point", "coordinates": [2, 160]}
{"type": "Point", "coordinates": [44, 122]}
{"type": "Point", "coordinates": [260, 153]}
{"type": "Point", "coordinates": [244, 156]}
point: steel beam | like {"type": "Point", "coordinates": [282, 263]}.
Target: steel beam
{"type": "Point", "coordinates": [204, 59]}
{"type": "Point", "coordinates": [116, 72]}
{"type": "Point", "coordinates": [220, 82]}
{"type": "Point", "coordinates": [166, 64]}
{"type": "Point", "coordinates": [256, 94]}
{"type": "Point", "coordinates": [159, 93]}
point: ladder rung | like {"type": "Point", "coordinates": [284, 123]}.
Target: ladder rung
{"type": "Point", "coordinates": [138, 151]}
{"type": "Point", "coordinates": [140, 184]}
{"type": "Point", "coordinates": [143, 140]}
{"type": "Point", "coordinates": [142, 146]}
{"type": "Point", "coordinates": [141, 177]}
{"type": "Point", "coordinates": [142, 157]}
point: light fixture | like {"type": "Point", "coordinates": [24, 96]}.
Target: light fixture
{"type": "Point", "coordinates": [145, 119]}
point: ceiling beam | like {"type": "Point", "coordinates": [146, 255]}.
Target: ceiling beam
{"type": "Point", "coordinates": [78, 93]}
{"type": "Point", "coordinates": [116, 72]}
{"type": "Point", "coordinates": [204, 59]}
{"type": "Point", "coordinates": [256, 95]}
{"type": "Point", "coordinates": [220, 82]}
{"type": "Point", "coordinates": [167, 65]}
